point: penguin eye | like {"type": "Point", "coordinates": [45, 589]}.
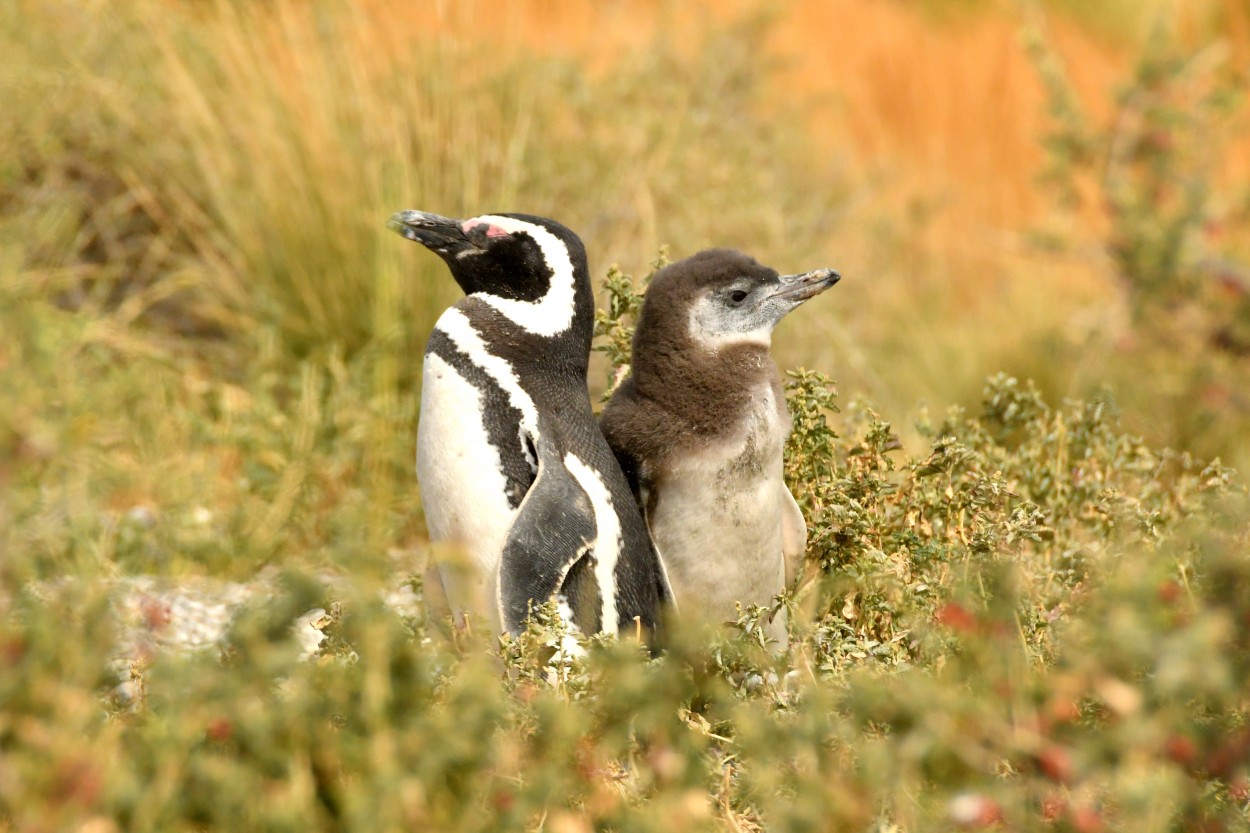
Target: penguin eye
{"type": "Point", "coordinates": [738, 296]}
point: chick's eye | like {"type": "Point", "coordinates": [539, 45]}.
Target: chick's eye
{"type": "Point", "coordinates": [738, 296]}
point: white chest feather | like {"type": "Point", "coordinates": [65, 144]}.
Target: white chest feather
{"type": "Point", "coordinates": [462, 482]}
{"type": "Point", "coordinates": [718, 517]}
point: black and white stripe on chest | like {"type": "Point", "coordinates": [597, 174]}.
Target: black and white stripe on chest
{"type": "Point", "coordinates": [508, 413]}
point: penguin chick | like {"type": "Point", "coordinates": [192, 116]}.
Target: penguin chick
{"type": "Point", "coordinates": [513, 470]}
{"type": "Point", "coordinates": [699, 427]}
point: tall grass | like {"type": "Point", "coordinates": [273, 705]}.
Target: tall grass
{"type": "Point", "coordinates": [283, 137]}
{"type": "Point", "coordinates": [243, 158]}
{"type": "Point", "coordinates": [225, 167]}
{"type": "Point", "coordinates": [297, 131]}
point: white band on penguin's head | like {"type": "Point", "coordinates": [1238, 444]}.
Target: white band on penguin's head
{"type": "Point", "coordinates": [553, 313]}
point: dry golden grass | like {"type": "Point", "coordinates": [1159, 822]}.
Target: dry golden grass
{"type": "Point", "coordinates": [934, 122]}
{"type": "Point", "coordinates": [946, 105]}
{"type": "Point", "coordinates": [896, 143]}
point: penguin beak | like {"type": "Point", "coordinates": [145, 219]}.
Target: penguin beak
{"type": "Point", "coordinates": [798, 288]}
{"type": "Point", "coordinates": [441, 235]}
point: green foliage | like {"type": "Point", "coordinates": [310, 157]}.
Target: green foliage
{"type": "Point", "coordinates": [1154, 166]}
{"type": "Point", "coordinates": [1039, 618]}
{"type": "Point", "coordinates": [1147, 180]}
{"type": "Point", "coordinates": [121, 452]}
{"type": "Point", "coordinates": [614, 326]}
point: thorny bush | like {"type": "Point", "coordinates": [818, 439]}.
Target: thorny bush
{"type": "Point", "coordinates": [1038, 622]}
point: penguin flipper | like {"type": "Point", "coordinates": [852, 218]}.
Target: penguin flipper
{"type": "Point", "coordinates": [793, 535]}
{"type": "Point", "coordinates": [646, 502]}
{"type": "Point", "coordinates": [553, 530]}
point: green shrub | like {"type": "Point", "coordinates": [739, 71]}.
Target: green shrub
{"type": "Point", "coordinates": [1147, 185]}
{"type": "Point", "coordinates": [1040, 620]}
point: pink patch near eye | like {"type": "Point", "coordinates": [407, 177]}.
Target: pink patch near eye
{"type": "Point", "coordinates": [491, 230]}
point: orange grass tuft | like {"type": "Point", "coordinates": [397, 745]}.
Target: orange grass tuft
{"type": "Point", "coordinates": [946, 110]}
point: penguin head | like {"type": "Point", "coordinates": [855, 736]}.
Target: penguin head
{"type": "Point", "coordinates": [531, 268]}
{"type": "Point", "coordinates": [721, 298]}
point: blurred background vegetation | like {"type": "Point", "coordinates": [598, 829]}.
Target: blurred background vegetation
{"type": "Point", "coordinates": [210, 357]}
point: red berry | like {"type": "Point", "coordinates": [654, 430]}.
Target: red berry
{"type": "Point", "coordinates": [1055, 763]}
{"type": "Point", "coordinates": [219, 729]}
{"type": "Point", "coordinates": [1180, 749]}
{"type": "Point", "coordinates": [1168, 591]}
{"type": "Point", "coordinates": [956, 617]}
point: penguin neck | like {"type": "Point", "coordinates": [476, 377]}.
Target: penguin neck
{"type": "Point", "coordinates": [706, 388]}
{"type": "Point", "coordinates": [566, 351]}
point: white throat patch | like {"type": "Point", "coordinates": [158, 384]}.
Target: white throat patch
{"type": "Point", "coordinates": [711, 327]}
{"type": "Point", "coordinates": [554, 312]}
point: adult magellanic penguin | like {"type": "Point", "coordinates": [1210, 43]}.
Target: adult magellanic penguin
{"type": "Point", "coordinates": [699, 427]}
{"type": "Point", "coordinates": [512, 468]}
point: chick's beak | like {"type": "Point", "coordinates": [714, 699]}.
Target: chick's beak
{"type": "Point", "coordinates": [798, 288]}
